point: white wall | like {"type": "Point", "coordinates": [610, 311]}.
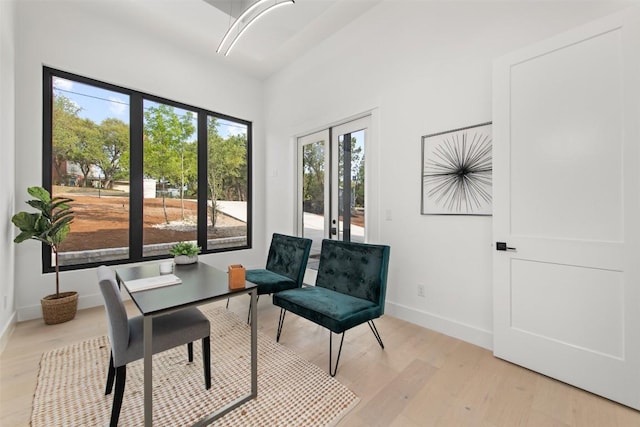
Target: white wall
{"type": "Point", "coordinates": [7, 168]}
{"type": "Point", "coordinates": [90, 39]}
{"type": "Point", "coordinates": [424, 67]}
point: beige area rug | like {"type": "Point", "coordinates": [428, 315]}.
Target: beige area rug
{"type": "Point", "coordinates": [291, 390]}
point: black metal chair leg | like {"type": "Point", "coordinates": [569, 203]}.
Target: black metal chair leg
{"type": "Point", "coordinates": [283, 312]}
{"type": "Point", "coordinates": [375, 332]}
{"type": "Point", "coordinates": [228, 302]}
{"type": "Point", "coordinates": [111, 374]}
{"type": "Point", "coordinates": [190, 351]}
{"type": "Point", "coordinates": [333, 371]}
{"type": "Point", "coordinates": [206, 361]}
{"type": "Point", "coordinates": [121, 377]}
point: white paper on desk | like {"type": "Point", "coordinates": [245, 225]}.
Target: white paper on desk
{"type": "Point", "coordinates": [152, 282]}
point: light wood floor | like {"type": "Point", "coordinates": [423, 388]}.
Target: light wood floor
{"type": "Point", "coordinates": [421, 378]}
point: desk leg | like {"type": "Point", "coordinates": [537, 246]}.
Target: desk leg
{"type": "Point", "coordinates": [148, 385]}
{"type": "Point", "coordinates": [254, 344]}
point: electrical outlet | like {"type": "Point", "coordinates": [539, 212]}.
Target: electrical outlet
{"type": "Point", "coordinates": [421, 291]}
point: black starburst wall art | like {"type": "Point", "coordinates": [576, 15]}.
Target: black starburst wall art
{"type": "Point", "coordinates": [456, 171]}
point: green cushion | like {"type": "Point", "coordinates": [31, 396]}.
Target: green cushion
{"type": "Point", "coordinates": [333, 310]}
{"type": "Point", "coordinates": [269, 282]}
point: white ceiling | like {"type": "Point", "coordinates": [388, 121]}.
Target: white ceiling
{"type": "Point", "coordinates": [271, 43]}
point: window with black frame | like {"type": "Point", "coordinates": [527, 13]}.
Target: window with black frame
{"type": "Point", "coordinates": [144, 173]}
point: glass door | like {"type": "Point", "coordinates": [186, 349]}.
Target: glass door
{"type": "Point", "coordinates": [331, 186]}
{"type": "Point", "coordinates": [313, 191]}
{"type": "Point", "coordinates": [348, 181]}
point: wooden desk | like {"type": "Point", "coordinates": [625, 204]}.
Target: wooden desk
{"type": "Point", "coordinates": [201, 284]}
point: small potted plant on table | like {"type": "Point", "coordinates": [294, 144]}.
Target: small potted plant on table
{"type": "Point", "coordinates": [185, 252]}
{"type": "Point", "coordinates": [50, 226]}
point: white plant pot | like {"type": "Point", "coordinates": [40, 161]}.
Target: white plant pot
{"type": "Point", "coordinates": [184, 259]}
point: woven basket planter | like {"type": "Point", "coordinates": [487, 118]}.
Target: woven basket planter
{"type": "Point", "coordinates": [59, 310]}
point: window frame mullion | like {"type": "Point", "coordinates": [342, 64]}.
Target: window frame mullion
{"type": "Point", "coordinates": [203, 157]}
{"type": "Point", "coordinates": [136, 175]}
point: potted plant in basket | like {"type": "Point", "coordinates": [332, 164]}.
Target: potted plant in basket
{"type": "Point", "coordinates": [185, 252]}
{"type": "Point", "coordinates": [50, 225]}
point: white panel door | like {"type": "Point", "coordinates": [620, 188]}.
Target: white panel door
{"type": "Point", "coordinates": [566, 203]}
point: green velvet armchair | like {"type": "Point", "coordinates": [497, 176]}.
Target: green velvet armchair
{"type": "Point", "coordinates": [350, 290]}
{"type": "Point", "coordinates": [286, 264]}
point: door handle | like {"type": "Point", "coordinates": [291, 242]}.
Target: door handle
{"type": "Point", "coordinates": [334, 231]}
{"type": "Point", "coordinates": [502, 246]}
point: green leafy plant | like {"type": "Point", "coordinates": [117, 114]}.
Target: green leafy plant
{"type": "Point", "coordinates": [185, 248]}
{"type": "Point", "coordinates": [50, 225]}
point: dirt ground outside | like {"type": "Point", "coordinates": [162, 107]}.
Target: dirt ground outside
{"type": "Point", "coordinates": [102, 220]}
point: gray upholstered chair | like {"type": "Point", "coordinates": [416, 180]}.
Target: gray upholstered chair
{"type": "Point", "coordinates": [286, 264]}
{"type": "Point", "coordinates": [350, 290]}
{"type": "Point", "coordinates": [126, 337]}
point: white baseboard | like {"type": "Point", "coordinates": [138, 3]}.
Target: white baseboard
{"type": "Point", "coordinates": [35, 311]}
{"type": "Point", "coordinates": [6, 333]}
{"type": "Point", "coordinates": [462, 331]}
